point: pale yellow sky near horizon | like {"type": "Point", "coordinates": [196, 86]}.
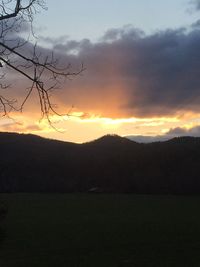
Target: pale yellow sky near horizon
{"type": "Point", "coordinates": [78, 130]}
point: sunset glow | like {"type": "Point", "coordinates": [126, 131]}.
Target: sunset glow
{"type": "Point", "coordinates": [68, 128]}
{"type": "Point", "coordinates": [137, 80]}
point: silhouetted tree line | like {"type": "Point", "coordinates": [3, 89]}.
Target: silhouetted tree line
{"type": "Point", "coordinates": [30, 163]}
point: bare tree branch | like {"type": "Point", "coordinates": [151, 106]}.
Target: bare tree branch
{"type": "Point", "coordinates": [35, 67]}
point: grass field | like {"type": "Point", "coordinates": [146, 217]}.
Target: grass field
{"type": "Point", "coordinates": [100, 231]}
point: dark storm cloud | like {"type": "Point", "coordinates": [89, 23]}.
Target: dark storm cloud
{"type": "Point", "coordinates": [174, 132]}
{"type": "Point", "coordinates": [164, 72]}
{"type": "Point", "coordinates": [132, 74]}
{"type": "Point", "coordinates": [195, 131]}
{"type": "Point", "coordinates": [196, 4]}
{"type": "Point", "coordinates": [157, 74]}
{"type": "Point", "coordinates": [178, 131]}
{"type": "Point", "coordinates": [196, 24]}
{"type": "Point", "coordinates": [116, 34]}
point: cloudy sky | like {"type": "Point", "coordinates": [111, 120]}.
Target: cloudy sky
{"type": "Point", "coordinates": [142, 74]}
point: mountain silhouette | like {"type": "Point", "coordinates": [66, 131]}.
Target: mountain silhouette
{"type": "Point", "coordinates": [30, 163]}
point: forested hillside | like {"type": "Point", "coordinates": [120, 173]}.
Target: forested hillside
{"type": "Point", "coordinates": [30, 163]}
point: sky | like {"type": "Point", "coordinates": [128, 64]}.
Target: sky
{"type": "Point", "coordinates": [142, 76]}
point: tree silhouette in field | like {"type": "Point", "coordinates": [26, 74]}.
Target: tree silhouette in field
{"type": "Point", "coordinates": [21, 56]}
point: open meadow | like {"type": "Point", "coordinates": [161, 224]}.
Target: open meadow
{"type": "Point", "coordinates": [97, 230]}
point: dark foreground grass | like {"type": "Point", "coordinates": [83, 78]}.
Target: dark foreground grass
{"type": "Point", "coordinates": [100, 231]}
